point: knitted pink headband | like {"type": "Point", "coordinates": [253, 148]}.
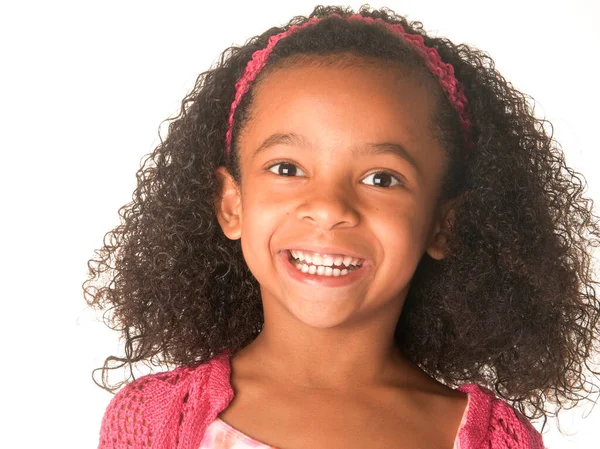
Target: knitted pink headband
{"type": "Point", "coordinates": [443, 71]}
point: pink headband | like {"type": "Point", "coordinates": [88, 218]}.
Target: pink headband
{"type": "Point", "coordinates": [443, 71]}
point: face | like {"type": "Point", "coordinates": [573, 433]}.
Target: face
{"type": "Point", "coordinates": [339, 169]}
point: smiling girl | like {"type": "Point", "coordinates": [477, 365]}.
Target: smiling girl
{"type": "Point", "coordinates": [355, 235]}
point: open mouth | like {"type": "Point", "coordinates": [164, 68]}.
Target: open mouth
{"type": "Point", "coordinates": [323, 265]}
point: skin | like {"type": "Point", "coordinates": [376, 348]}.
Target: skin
{"type": "Point", "coordinates": [326, 358]}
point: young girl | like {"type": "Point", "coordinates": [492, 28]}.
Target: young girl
{"type": "Point", "coordinates": [355, 235]}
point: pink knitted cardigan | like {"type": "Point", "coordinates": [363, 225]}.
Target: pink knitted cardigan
{"type": "Point", "coordinates": [171, 410]}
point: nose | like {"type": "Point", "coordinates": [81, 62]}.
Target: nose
{"type": "Point", "coordinates": [329, 207]}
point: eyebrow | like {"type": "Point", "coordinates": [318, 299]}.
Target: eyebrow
{"type": "Point", "coordinates": [388, 148]}
{"type": "Point", "coordinates": [298, 140]}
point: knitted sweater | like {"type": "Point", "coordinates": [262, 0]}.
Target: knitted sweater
{"type": "Point", "coordinates": [171, 410]}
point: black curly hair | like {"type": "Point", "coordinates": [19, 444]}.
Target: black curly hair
{"type": "Point", "coordinates": [512, 307]}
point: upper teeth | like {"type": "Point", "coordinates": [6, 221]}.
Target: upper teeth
{"type": "Point", "coordinates": [324, 259]}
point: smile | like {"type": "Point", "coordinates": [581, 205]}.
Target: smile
{"type": "Point", "coordinates": [323, 264]}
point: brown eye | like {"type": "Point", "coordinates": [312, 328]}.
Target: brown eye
{"type": "Point", "coordinates": [382, 179]}
{"type": "Point", "coordinates": [285, 169]}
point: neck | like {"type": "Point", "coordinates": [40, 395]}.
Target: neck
{"type": "Point", "coordinates": [295, 355]}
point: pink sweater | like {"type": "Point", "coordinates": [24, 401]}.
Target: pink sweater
{"type": "Point", "coordinates": [171, 410]}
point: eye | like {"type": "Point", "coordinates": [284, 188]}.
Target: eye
{"type": "Point", "coordinates": [382, 179]}
{"type": "Point", "coordinates": [286, 169]}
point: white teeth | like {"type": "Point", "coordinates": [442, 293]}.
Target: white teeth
{"type": "Point", "coordinates": [321, 270]}
{"type": "Point", "coordinates": [326, 261]}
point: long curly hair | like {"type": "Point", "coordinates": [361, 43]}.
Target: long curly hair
{"type": "Point", "coordinates": [512, 307]}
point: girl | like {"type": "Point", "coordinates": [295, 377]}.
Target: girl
{"type": "Point", "coordinates": [355, 235]}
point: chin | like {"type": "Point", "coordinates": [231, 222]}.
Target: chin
{"type": "Point", "coordinates": [317, 315]}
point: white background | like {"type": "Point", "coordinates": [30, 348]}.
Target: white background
{"type": "Point", "coordinates": [83, 88]}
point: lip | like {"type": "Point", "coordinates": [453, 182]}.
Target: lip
{"type": "Point", "coordinates": [319, 280]}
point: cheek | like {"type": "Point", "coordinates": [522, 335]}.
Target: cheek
{"type": "Point", "coordinates": [262, 209]}
{"type": "Point", "coordinates": [261, 217]}
{"type": "Point", "coordinates": [400, 234]}
{"type": "Point", "coordinates": [263, 221]}
{"type": "Point", "coordinates": [402, 246]}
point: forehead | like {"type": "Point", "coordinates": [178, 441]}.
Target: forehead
{"type": "Point", "coordinates": [343, 104]}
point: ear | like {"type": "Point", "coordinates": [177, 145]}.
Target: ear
{"type": "Point", "coordinates": [229, 204]}
{"type": "Point", "coordinates": [442, 230]}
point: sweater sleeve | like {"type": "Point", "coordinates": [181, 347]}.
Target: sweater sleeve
{"type": "Point", "coordinates": [490, 423]}
{"type": "Point", "coordinates": [169, 410]}
{"type": "Point", "coordinates": [511, 430]}
{"type": "Point", "coordinates": [141, 413]}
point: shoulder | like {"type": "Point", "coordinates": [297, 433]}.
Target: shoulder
{"type": "Point", "coordinates": [491, 422]}
{"type": "Point", "coordinates": [165, 410]}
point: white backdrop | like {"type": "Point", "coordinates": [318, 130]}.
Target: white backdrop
{"type": "Point", "coordinates": [83, 88]}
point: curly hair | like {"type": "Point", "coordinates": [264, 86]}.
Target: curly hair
{"type": "Point", "coordinates": [512, 307]}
